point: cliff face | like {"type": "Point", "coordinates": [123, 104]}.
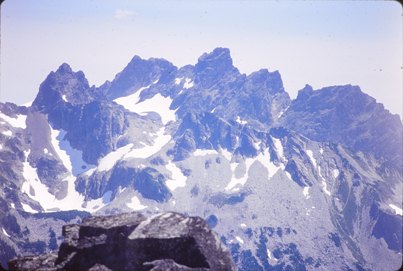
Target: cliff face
{"type": "Point", "coordinates": [130, 241]}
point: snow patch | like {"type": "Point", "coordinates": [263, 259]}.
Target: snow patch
{"type": "Point", "coordinates": [289, 176]}
{"type": "Point", "coordinates": [264, 159]}
{"type": "Point", "coordinates": [257, 145]}
{"type": "Point", "coordinates": [90, 172]}
{"type": "Point", "coordinates": [158, 104]}
{"type": "Point", "coordinates": [305, 192]}
{"type": "Point", "coordinates": [279, 148]}
{"type": "Point", "coordinates": [243, 225]}
{"type": "Point", "coordinates": [268, 253]}
{"type": "Point", "coordinates": [7, 133]}
{"type": "Point", "coordinates": [12, 205]}
{"type": "Point", "coordinates": [130, 101]}
{"type": "Point", "coordinates": [37, 191]}
{"type": "Point", "coordinates": [73, 200]}
{"type": "Point", "coordinates": [310, 155]}
{"type": "Point", "coordinates": [321, 150]}
{"type": "Point", "coordinates": [62, 154]}
{"type": "Point", "coordinates": [64, 98]}
{"type": "Point", "coordinates": [5, 233]}
{"type": "Point", "coordinates": [159, 142]}
{"type": "Point", "coordinates": [18, 122]}
{"type": "Point", "coordinates": [282, 112]}
{"type": "Point", "coordinates": [135, 204]}
{"type": "Point", "coordinates": [108, 161]}
{"type": "Point", "coordinates": [398, 211]}
{"type": "Point", "coordinates": [199, 152]}
{"type": "Point", "coordinates": [28, 208]}
{"type": "Point", "coordinates": [1, 147]}
{"type": "Point", "coordinates": [242, 180]}
{"type": "Point", "coordinates": [188, 83]}
{"type": "Point", "coordinates": [178, 80]}
{"type": "Point", "coordinates": [72, 158]}
{"type": "Point", "coordinates": [324, 184]}
{"type": "Point", "coordinates": [240, 121]}
{"type": "Point", "coordinates": [227, 155]}
{"type": "Point", "coordinates": [41, 194]}
{"type": "Point", "coordinates": [239, 239]}
{"type": "Point", "coordinates": [336, 173]}
{"type": "Point", "coordinates": [33, 184]}
{"type": "Point", "coordinates": [177, 178]}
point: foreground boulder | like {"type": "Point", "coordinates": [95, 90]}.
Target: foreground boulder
{"type": "Point", "coordinates": [168, 241]}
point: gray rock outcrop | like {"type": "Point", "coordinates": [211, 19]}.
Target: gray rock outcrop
{"type": "Point", "coordinates": [130, 241]}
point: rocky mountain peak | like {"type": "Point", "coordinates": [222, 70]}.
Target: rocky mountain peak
{"type": "Point", "coordinates": [217, 55]}
{"type": "Point", "coordinates": [349, 98]}
{"type": "Point", "coordinates": [65, 72]}
{"type": "Point", "coordinates": [215, 66]}
{"type": "Point", "coordinates": [64, 68]}
{"type": "Point", "coordinates": [267, 81]}
{"type": "Point", "coordinates": [139, 73]}
{"type": "Point", "coordinates": [62, 86]}
{"type": "Point", "coordinates": [305, 92]}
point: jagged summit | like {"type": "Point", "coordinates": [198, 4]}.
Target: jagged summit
{"type": "Point", "coordinates": [138, 73]}
{"type": "Point", "coordinates": [62, 86]}
{"type": "Point", "coordinates": [65, 71]}
{"type": "Point", "coordinates": [309, 183]}
{"type": "Point", "coordinates": [214, 67]}
{"type": "Point", "coordinates": [306, 91]}
{"type": "Point", "coordinates": [64, 68]}
{"type": "Point", "coordinates": [218, 55]}
{"type": "Point", "coordinates": [270, 81]}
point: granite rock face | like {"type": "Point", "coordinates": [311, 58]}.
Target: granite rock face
{"type": "Point", "coordinates": [130, 241]}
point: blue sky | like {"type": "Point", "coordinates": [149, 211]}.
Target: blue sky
{"type": "Point", "coordinates": [320, 43]}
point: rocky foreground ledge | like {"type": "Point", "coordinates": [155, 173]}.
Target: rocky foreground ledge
{"type": "Point", "coordinates": [168, 241]}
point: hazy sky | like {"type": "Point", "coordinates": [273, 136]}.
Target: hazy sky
{"type": "Point", "coordinates": [321, 43]}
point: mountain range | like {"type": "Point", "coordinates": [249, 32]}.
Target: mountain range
{"type": "Point", "coordinates": [308, 183]}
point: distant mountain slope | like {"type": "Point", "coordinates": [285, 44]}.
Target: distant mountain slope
{"type": "Point", "coordinates": [344, 114]}
{"type": "Point", "coordinates": [310, 183]}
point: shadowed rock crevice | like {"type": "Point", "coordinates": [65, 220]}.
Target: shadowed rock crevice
{"type": "Point", "coordinates": [183, 251]}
